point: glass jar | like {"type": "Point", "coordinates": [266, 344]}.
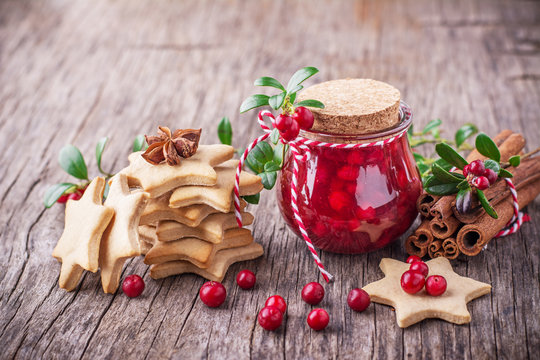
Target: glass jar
{"type": "Point", "coordinates": [353, 200]}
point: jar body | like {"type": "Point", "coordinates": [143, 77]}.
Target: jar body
{"type": "Point", "coordinates": [353, 200]}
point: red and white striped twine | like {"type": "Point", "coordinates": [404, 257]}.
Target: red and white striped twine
{"type": "Point", "coordinates": [300, 151]}
{"type": "Point", "coordinates": [519, 217]}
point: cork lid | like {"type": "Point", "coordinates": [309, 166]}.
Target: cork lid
{"type": "Point", "coordinates": [354, 106]}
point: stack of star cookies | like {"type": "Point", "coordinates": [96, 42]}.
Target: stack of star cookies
{"type": "Point", "coordinates": [189, 224]}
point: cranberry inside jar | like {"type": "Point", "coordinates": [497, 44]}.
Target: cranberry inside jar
{"type": "Point", "coordinates": [353, 200]}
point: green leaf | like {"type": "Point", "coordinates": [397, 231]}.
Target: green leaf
{"type": "Point", "coordinates": [432, 125]}
{"type": "Point", "coordinates": [487, 147]}
{"type": "Point", "coordinates": [515, 160]}
{"type": "Point", "coordinates": [410, 130]}
{"type": "Point", "coordinates": [422, 167]}
{"type": "Point", "coordinates": [54, 192]}
{"type": "Point", "coordinates": [274, 136]}
{"type": "Point", "coordinates": [464, 200]}
{"type": "Point", "coordinates": [464, 133]}
{"type": "Point", "coordinates": [139, 143]}
{"type": "Point", "coordinates": [295, 90]}
{"type": "Point", "coordinates": [252, 199]}
{"type": "Point", "coordinates": [292, 98]}
{"type": "Point", "coordinates": [444, 175]}
{"type": "Point", "coordinates": [253, 102]}
{"type": "Point", "coordinates": [99, 151]}
{"type": "Point", "coordinates": [269, 81]}
{"type": "Point", "coordinates": [493, 165]}
{"type": "Point", "coordinates": [259, 155]}
{"type": "Point", "coordinates": [276, 101]}
{"type": "Point", "coordinates": [505, 174]}
{"type": "Point", "coordinates": [271, 166]}
{"type": "Point", "coordinates": [268, 179]}
{"type": "Point", "coordinates": [442, 189]}
{"type": "Point", "coordinates": [463, 185]}
{"type": "Point", "coordinates": [444, 164]}
{"type": "Point", "coordinates": [300, 76]}
{"type": "Point", "coordinates": [418, 157]}
{"type": "Point", "coordinates": [106, 191]}
{"type": "Point", "coordinates": [446, 152]}
{"type": "Point", "coordinates": [224, 131]}
{"type": "Point", "coordinates": [431, 180]}
{"type": "Point", "coordinates": [485, 204]}
{"type": "Point", "coordinates": [72, 161]}
{"type": "Point", "coordinates": [278, 154]}
{"type": "Point", "coordinates": [311, 103]}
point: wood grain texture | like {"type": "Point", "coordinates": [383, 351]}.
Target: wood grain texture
{"type": "Point", "coordinates": [73, 71]}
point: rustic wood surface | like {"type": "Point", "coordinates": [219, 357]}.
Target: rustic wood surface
{"type": "Point", "coordinates": [73, 71]}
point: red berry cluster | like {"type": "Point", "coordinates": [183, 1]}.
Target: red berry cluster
{"type": "Point", "coordinates": [289, 125]}
{"type": "Point", "coordinates": [479, 176]}
{"type": "Point", "coordinates": [414, 279]}
{"type": "Point", "coordinates": [73, 196]}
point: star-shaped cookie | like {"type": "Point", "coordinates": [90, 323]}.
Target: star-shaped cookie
{"type": "Point", "coordinates": [218, 196]}
{"type": "Point", "coordinates": [216, 271]}
{"type": "Point", "coordinates": [120, 240]}
{"type": "Point", "coordinates": [78, 247]}
{"type": "Point", "coordinates": [410, 309]}
{"type": "Point", "coordinates": [210, 229]}
{"type": "Point", "coordinates": [156, 180]}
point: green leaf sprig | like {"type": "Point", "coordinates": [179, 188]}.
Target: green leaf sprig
{"type": "Point", "coordinates": [72, 161]}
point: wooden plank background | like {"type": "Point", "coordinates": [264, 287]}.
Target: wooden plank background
{"type": "Point", "coordinates": [73, 71]}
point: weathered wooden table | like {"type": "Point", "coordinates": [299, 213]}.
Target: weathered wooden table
{"type": "Point", "coordinates": [73, 71]}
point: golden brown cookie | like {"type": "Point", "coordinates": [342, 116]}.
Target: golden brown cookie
{"type": "Point", "coordinates": [147, 233]}
{"type": "Point", "coordinates": [120, 240]}
{"type": "Point", "coordinates": [410, 309]}
{"type": "Point", "coordinates": [218, 196]}
{"type": "Point", "coordinates": [196, 251]}
{"type": "Point", "coordinates": [78, 247]}
{"type": "Point", "coordinates": [156, 180]}
{"type": "Point", "coordinates": [210, 229]}
{"type": "Point", "coordinates": [216, 271]}
{"type": "Point", "coordinates": [158, 209]}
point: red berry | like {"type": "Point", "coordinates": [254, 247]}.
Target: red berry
{"type": "Point", "coordinates": [339, 200]}
{"type": "Point", "coordinates": [412, 281]}
{"type": "Point", "coordinates": [74, 196]}
{"type": "Point", "coordinates": [304, 117]}
{"type": "Point", "coordinates": [62, 199]}
{"type": "Point", "coordinates": [466, 170]}
{"type": "Point", "coordinates": [491, 176]}
{"type": "Point", "coordinates": [283, 122]}
{"type": "Point", "coordinates": [477, 167]}
{"type": "Point", "coordinates": [313, 293]}
{"type": "Point", "coordinates": [246, 279]}
{"type": "Point", "coordinates": [413, 258]}
{"type": "Point", "coordinates": [358, 299]}
{"type": "Point", "coordinates": [277, 302]}
{"type": "Point", "coordinates": [291, 132]}
{"type": "Point", "coordinates": [481, 182]}
{"type": "Point", "coordinates": [133, 286]}
{"type": "Point", "coordinates": [270, 318]}
{"type": "Point", "coordinates": [420, 266]}
{"type": "Point", "coordinates": [318, 319]}
{"type": "Point", "coordinates": [213, 293]}
{"type": "Point", "coordinates": [435, 285]}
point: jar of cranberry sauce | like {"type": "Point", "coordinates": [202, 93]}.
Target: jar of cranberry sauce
{"type": "Point", "coordinates": [354, 200]}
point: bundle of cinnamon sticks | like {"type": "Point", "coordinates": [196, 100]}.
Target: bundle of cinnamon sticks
{"type": "Point", "coordinates": [446, 232]}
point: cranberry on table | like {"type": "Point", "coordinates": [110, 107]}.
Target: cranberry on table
{"type": "Point", "coordinates": [413, 258]}
{"type": "Point", "coordinates": [491, 176]}
{"type": "Point", "coordinates": [435, 285]}
{"type": "Point", "coordinates": [318, 319]}
{"type": "Point", "coordinates": [358, 299]}
{"type": "Point", "coordinates": [412, 281]}
{"type": "Point", "coordinates": [270, 318]}
{"type": "Point", "coordinates": [278, 302]}
{"type": "Point", "coordinates": [481, 182]}
{"type": "Point", "coordinates": [213, 293]}
{"type": "Point", "coordinates": [246, 279]}
{"type": "Point", "coordinates": [313, 293]}
{"type": "Point", "coordinates": [304, 117]}
{"type": "Point", "coordinates": [420, 266]}
{"type": "Point", "coordinates": [62, 199]}
{"type": "Point", "coordinates": [75, 196]}
{"type": "Point", "coordinates": [133, 286]}
{"type": "Point", "coordinates": [477, 167]}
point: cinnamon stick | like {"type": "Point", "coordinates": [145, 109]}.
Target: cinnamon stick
{"type": "Point", "coordinates": [445, 227]}
{"type": "Point", "coordinates": [425, 202]}
{"type": "Point", "coordinates": [423, 235]}
{"type": "Point", "coordinates": [451, 249]}
{"type": "Point", "coordinates": [435, 249]}
{"type": "Point", "coordinates": [412, 249]}
{"type": "Point", "coordinates": [527, 172]}
{"type": "Point", "coordinates": [471, 238]}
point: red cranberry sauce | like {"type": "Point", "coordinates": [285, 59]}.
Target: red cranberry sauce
{"type": "Point", "coordinates": [353, 200]}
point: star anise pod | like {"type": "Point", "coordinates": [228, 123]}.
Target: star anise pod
{"type": "Point", "coordinates": [171, 147]}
